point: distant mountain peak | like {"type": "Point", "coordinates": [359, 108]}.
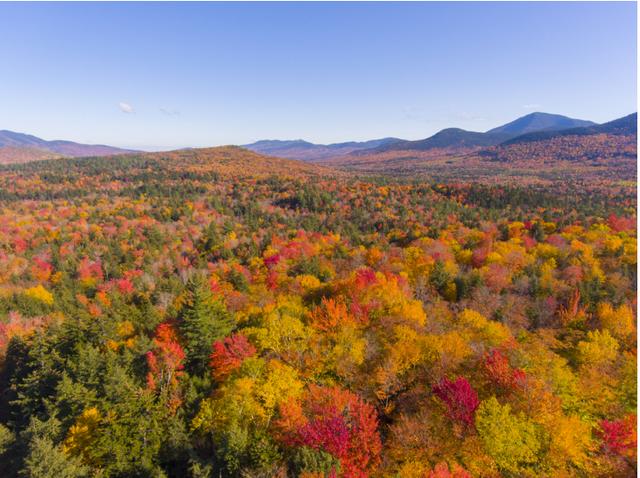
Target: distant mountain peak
{"type": "Point", "coordinates": [627, 125]}
{"type": "Point", "coordinates": [457, 138]}
{"type": "Point", "coordinates": [539, 121]}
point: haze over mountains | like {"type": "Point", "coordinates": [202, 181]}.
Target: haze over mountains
{"type": "Point", "coordinates": [534, 127]}
{"type": "Point", "coordinates": [450, 138]}
{"type": "Point", "coordinates": [300, 149]}
{"type": "Point", "coordinates": [20, 147]}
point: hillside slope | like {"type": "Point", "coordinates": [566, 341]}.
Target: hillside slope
{"type": "Point", "coordinates": [625, 126]}
{"type": "Point", "coordinates": [456, 138]}
{"type": "Point", "coordinates": [232, 160]}
{"type": "Point", "coordinates": [21, 147]}
{"type": "Point", "coordinates": [450, 138]}
{"type": "Point", "coordinates": [539, 122]}
{"type": "Point", "coordinates": [606, 151]}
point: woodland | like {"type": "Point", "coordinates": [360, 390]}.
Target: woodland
{"type": "Point", "coordinates": [219, 313]}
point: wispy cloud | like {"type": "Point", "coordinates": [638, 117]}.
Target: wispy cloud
{"type": "Point", "coordinates": [169, 112]}
{"type": "Point", "coordinates": [531, 106]}
{"type": "Point", "coordinates": [126, 107]}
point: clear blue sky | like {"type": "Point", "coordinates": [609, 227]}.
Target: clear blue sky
{"type": "Point", "coordinates": [168, 75]}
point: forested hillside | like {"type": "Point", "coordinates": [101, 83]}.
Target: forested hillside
{"type": "Point", "coordinates": [209, 313]}
{"type": "Point", "coordinates": [591, 158]}
{"type": "Point", "coordinates": [22, 148]}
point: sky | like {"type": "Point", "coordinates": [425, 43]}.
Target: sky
{"type": "Point", "coordinates": [170, 75]}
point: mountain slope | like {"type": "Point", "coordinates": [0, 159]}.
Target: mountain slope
{"type": "Point", "coordinates": [20, 147]}
{"type": "Point", "coordinates": [306, 151]}
{"type": "Point", "coordinates": [450, 138]}
{"type": "Point", "coordinates": [17, 154]}
{"type": "Point", "coordinates": [625, 126]}
{"type": "Point", "coordinates": [606, 151]}
{"type": "Point", "coordinates": [458, 139]}
{"type": "Point", "coordinates": [193, 164]}
{"type": "Point", "coordinates": [273, 146]}
{"type": "Point", "coordinates": [233, 160]}
{"type": "Point", "coordinates": [539, 122]}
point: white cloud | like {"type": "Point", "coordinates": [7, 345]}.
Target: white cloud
{"type": "Point", "coordinates": [531, 106]}
{"type": "Point", "coordinates": [126, 107]}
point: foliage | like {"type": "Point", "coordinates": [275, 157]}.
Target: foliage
{"type": "Point", "coordinates": [510, 439]}
{"type": "Point", "coordinates": [203, 320]}
{"type": "Point", "coordinates": [220, 313]}
{"type": "Point", "coordinates": [460, 399]}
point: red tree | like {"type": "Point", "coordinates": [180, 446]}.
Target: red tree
{"type": "Point", "coordinates": [498, 370]}
{"type": "Point", "coordinates": [620, 437]}
{"type": "Point", "coordinates": [228, 355]}
{"type": "Point", "coordinates": [460, 399]}
{"type": "Point", "coordinates": [335, 421]}
{"type": "Point", "coordinates": [165, 363]}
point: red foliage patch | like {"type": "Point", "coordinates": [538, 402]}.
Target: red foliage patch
{"type": "Point", "coordinates": [498, 370]}
{"type": "Point", "coordinates": [442, 470]}
{"type": "Point", "coordinates": [228, 355]}
{"type": "Point", "coordinates": [335, 421]}
{"type": "Point", "coordinates": [620, 437]}
{"type": "Point", "coordinates": [460, 399]}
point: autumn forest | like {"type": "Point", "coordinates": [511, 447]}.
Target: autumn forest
{"type": "Point", "coordinates": [221, 313]}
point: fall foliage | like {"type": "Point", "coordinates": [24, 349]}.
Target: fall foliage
{"type": "Point", "coordinates": [207, 313]}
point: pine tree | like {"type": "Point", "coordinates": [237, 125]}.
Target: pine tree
{"type": "Point", "coordinates": [45, 459]}
{"type": "Point", "coordinates": [203, 320]}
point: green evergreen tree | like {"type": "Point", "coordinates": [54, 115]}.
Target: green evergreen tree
{"type": "Point", "coordinates": [203, 320]}
{"type": "Point", "coordinates": [44, 459]}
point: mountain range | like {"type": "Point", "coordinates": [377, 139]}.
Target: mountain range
{"type": "Point", "coordinates": [300, 149]}
{"type": "Point", "coordinates": [20, 147]}
{"type": "Point", "coordinates": [534, 127]}
{"type": "Point", "coordinates": [447, 139]}
{"type": "Point", "coordinates": [626, 125]}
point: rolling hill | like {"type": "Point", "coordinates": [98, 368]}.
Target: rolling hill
{"type": "Point", "coordinates": [306, 151]}
{"type": "Point", "coordinates": [20, 147]}
{"type": "Point", "coordinates": [229, 160]}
